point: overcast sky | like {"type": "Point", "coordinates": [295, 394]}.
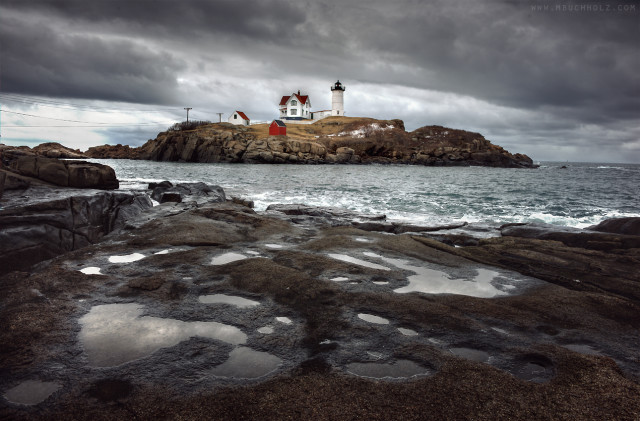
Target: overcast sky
{"type": "Point", "coordinates": [555, 79]}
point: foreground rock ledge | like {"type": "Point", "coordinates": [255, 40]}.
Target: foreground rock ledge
{"type": "Point", "coordinates": [547, 347]}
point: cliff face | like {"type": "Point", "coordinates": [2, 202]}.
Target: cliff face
{"type": "Point", "coordinates": [329, 141]}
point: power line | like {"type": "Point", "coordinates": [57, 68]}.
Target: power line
{"type": "Point", "coordinates": [70, 121]}
{"type": "Point", "coordinates": [46, 102]}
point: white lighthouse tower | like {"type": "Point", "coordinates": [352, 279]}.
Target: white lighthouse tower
{"type": "Point", "coordinates": [337, 99]}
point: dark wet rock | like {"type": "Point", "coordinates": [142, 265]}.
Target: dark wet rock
{"type": "Point", "coordinates": [78, 174]}
{"type": "Point", "coordinates": [243, 202]}
{"type": "Point", "coordinates": [169, 197]}
{"type": "Point", "coordinates": [626, 226]}
{"type": "Point", "coordinates": [109, 390]}
{"type": "Point", "coordinates": [575, 259]}
{"type": "Point", "coordinates": [199, 192]}
{"type": "Point", "coordinates": [514, 354]}
{"type": "Point", "coordinates": [573, 237]}
{"type": "Point", "coordinates": [164, 184]}
{"type": "Point", "coordinates": [47, 223]}
{"type": "Point", "coordinates": [327, 215]}
{"type": "Point", "coordinates": [400, 228]}
{"type": "Point", "coordinates": [3, 177]}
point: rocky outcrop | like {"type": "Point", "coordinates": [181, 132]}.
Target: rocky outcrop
{"type": "Point", "coordinates": [628, 226]}
{"type": "Point", "coordinates": [78, 174]}
{"type": "Point", "coordinates": [42, 224]}
{"type": "Point", "coordinates": [113, 152]}
{"type": "Point", "coordinates": [343, 141]}
{"type": "Point", "coordinates": [56, 150]}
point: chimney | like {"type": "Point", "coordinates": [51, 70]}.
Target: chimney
{"type": "Point", "coordinates": [298, 91]}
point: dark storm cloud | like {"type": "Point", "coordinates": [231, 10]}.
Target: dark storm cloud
{"type": "Point", "coordinates": [43, 60]}
{"type": "Point", "coordinates": [579, 69]}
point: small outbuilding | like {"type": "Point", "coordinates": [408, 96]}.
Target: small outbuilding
{"type": "Point", "coordinates": [277, 128]}
{"type": "Point", "coordinates": [239, 118]}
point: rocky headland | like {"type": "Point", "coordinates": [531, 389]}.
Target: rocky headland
{"type": "Point", "coordinates": [334, 140]}
{"type": "Point", "coordinates": [202, 308]}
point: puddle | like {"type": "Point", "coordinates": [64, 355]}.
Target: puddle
{"type": "Point", "coordinates": [31, 392]}
{"type": "Point", "coordinates": [228, 299]}
{"type": "Point", "coordinates": [163, 251]}
{"type": "Point", "coordinates": [245, 363]}
{"type": "Point", "coordinates": [430, 281]}
{"type": "Point", "coordinates": [401, 369]}
{"type": "Point", "coordinates": [373, 319]}
{"type": "Point", "coordinates": [127, 258]}
{"type": "Point", "coordinates": [355, 261]}
{"type": "Point", "coordinates": [381, 282]}
{"type": "Point", "coordinates": [267, 330]}
{"type": "Point", "coordinates": [583, 349]}
{"type": "Point", "coordinates": [225, 258]}
{"type": "Point", "coordinates": [407, 332]}
{"type": "Point", "coordinates": [92, 270]}
{"type": "Point", "coordinates": [285, 320]}
{"type": "Point", "coordinates": [339, 279]}
{"type": "Point", "coordinates": [114, 334]}
{"type": "Point", "coordinates": [274, 246]}
{"type": "Point", "coordinates": [470, 354]}
{"type": "Point", "coordinates": [363, 240]}
{"type": "Point", "coordinates": [253, 252]}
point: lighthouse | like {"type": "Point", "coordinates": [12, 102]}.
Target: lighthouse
{"type": "Point", "coordinates": [337, 99]}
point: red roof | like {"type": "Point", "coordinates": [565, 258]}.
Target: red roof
{"type": "Point", "coordinates": [243, 115]}
{"type": "Point", "coordinates": [302, 98]}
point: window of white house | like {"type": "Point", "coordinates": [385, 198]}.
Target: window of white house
{"type": "Point", "coordinates": [294, 112]}
{"type": "Point", "coordinates": [294, 102]}
{"type": "Point", "coordinates": [235, 116]}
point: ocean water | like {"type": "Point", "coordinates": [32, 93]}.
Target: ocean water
{"type": "Point", "coordinates": [579, 195]}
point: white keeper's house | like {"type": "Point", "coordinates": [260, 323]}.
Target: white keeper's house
{"type": "Point", "coordinates": [239, 118]}
{"type": "Point", "coordinates": [298, 106]}
{"type": "Point", "coordinates": [295, 107]}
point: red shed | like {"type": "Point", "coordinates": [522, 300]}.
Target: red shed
{"type": "Point", "coordinates": [277, 128]}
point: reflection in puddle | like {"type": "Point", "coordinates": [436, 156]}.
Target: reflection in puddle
{"type": "Point", "coordinates": [253, 252]}
{"type": "Point", "coordinates": [31, 392]}
{"type": "Point", "coordinates": [430, 281]}
{"type": "Point", "coordinates": [267, 330]}
{"type": "Point", "coordinates": [373, 319]}
{"type": "Point", "coordinates": [225, 258]}
{"type": "Point", "coordinates": [227, 299]}
{"type": "Point", "coordinates": [339, 279]}
{"type": "Point", "coordinates": [470, 354]}
{"type": "Point", "coordinates": [92, 270]}
{"type": "Point", "coordinates": [407, 332]}
{"type": "Point", "coordinates": [359, 262]}
{"type": "Point", "coordinates": [245, 363]}
{"type": "Point", "coordinates": [273, 246]}
{"type": "Point", "coordinates": [114, 334]}
{"type": "Point", "coordinates": [381, 282]}
{"type": "Point", "coordinates": [128, 258]}
{"type": "Point", "coordinates": [285, 320]}
{"type": "Point", "coordinates": [163, 251]}
{"type": "Point", "coordinates": [401, 369]}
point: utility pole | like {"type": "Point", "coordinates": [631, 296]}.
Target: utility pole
{"type": "Point", "coordinates": [188, 108]}
{"type": "Point", "coordinates": [219, 117]}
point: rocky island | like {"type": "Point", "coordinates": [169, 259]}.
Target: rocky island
{"type": "Point", "coordinates": [202, 308]}
{"type": "Point", "coordinates": [333, 140]}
